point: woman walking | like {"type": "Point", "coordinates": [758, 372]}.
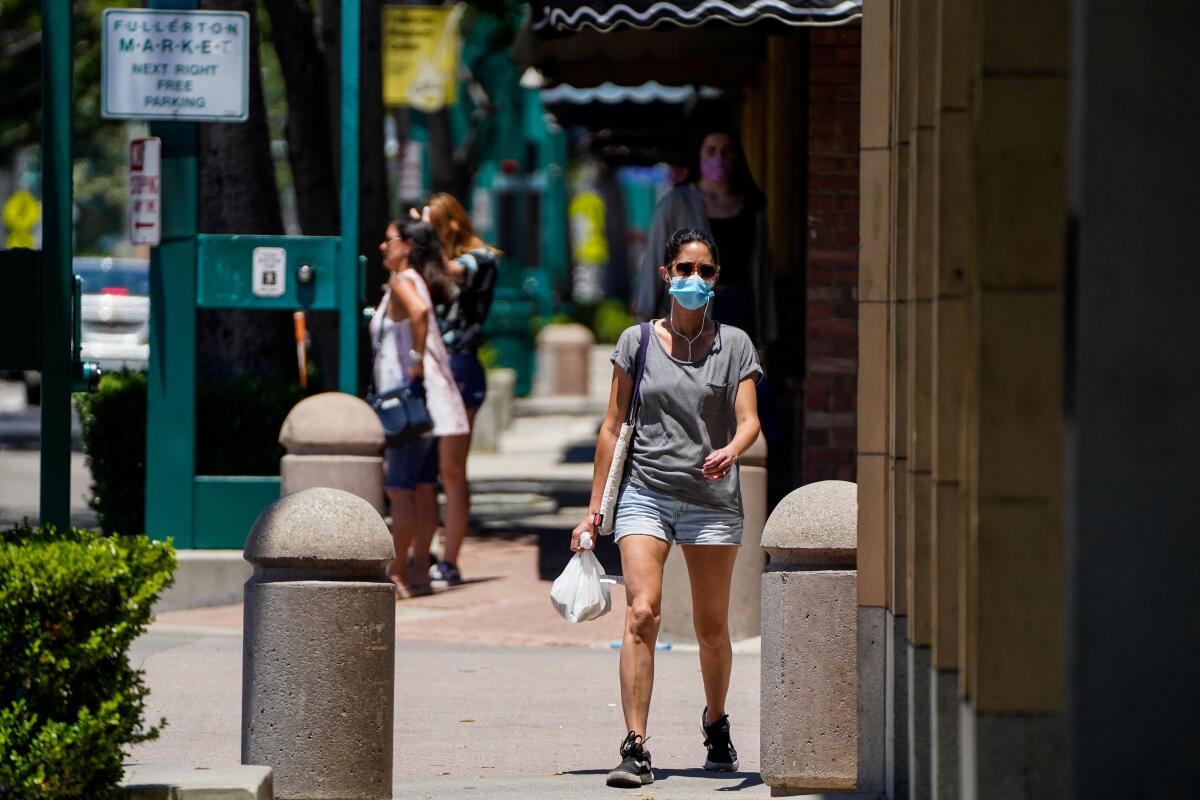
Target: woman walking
{"type": "Point", "coordinates": [473, 264]}
{"type": "Point", "coordinates": [697, 415]}
{"type": "Point", "coordinates": [408, 347]}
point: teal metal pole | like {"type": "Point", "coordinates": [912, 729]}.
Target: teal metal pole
{"type": "Point", "coordinates": [57, 272]}
{"type": "Point", "coordinates": [348, 316]}
{"type": "Point", "coordinates": [171, 380]}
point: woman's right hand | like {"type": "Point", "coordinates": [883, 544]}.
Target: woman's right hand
{"type": "Point", "coordinates": [584, 527]}
{"type": "Point", "coordinates": [416, 370]}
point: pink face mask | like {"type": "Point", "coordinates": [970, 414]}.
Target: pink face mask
{"type": "Point", "coordinates": [717, 169]}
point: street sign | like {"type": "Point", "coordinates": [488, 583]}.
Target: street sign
{"type": "Point", "coordinates": [182, 65]}
{"type": "Point", "coordinates": [145, 191]}
{"type": "Point", "coordinates": [270, 271]}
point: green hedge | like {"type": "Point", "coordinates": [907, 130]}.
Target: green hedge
{"type": "Point", "coordinates": [113, 419]}
{"type": "Point", "coordinates": [237, 433]}
{"type": "Point", "coordinates": [71, 603]}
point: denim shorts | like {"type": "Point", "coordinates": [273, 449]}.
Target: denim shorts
{"type": "Point", "coordinates": [470, 377]}
{"type": "Point", "coordinates": [644, 511]}
{"type": "Point", "coordinates": [411, 463]}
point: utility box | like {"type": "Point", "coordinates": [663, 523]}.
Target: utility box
{"type": "Point", "coordinates": [266, 273]}
{"type": "Point", "coordinates": [20, 305]}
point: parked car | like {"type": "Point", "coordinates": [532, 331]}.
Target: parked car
{"type": "Point", "coordinates": [115, 312]}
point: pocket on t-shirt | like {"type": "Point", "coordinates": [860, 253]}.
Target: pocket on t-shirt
{"type": "Point", "coordinates": [715, 400]}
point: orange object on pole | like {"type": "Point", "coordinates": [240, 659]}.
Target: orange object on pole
{"type": "Point", "coordinates": [301, 352]}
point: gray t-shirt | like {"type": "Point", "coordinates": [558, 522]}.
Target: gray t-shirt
{"type": "Point", "coordinates": [686, 413]}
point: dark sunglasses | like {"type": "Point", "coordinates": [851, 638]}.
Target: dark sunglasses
{"type": "Point", "coordinates": [685, 269]}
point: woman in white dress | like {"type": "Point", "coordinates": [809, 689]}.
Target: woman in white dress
{"type": "Point", "coordinates": [409, 347]}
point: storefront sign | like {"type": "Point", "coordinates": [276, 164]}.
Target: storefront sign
{"type": "Point", "coordinates": [145, 191]}
{"type": "Point", "coordinates": [182, 65]}
{"type": "Point", "coordinates": [420, 56]}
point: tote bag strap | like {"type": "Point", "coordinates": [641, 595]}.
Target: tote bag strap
{"type": "Point", "coordinates": [639, 368]}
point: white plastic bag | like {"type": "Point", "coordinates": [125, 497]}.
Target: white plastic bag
{"type": "Point", "coordinates": [579, 594]}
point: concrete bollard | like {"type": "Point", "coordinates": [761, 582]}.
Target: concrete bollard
{"type": "Point", "coordinates": [496, 413]}
{"type": "Point", "coordinates": [333, 440]}
{"type": "Point", "coordinates": [318, 652]}
{"type": "Point", "coordinates": [563, 360]}
{"type": "Point", "coordinates": [745, 594]}
{"type": "Point", "coordinates": [502, 383]}
{"type": "Point", "coordinates": [809, 723]}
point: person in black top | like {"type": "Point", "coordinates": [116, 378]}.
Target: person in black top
{"type": "Point", "coordinates": [474, 264]}
{"type": "Point", "coordinates": [720, 199]}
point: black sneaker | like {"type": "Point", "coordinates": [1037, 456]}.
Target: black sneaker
{"type": "Point", "coordinates": [445, 573]}
{"type": "Point", "coordinates": [721, 755]}
{"type": "Point", "coordinates": [634, 769]}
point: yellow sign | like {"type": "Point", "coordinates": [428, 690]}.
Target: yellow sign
{"type": "Point", "coordinates": [587, 228]}
{"type": "Point", "coordinates": [420, 56]}
{"type": "Point", "coordinates": [21, 215]}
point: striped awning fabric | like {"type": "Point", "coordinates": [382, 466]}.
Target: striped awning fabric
{"type": "Point", "coordinates": [571, 16]}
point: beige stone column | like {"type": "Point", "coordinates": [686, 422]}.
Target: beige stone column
{"type": "Point", "coordinates": [874, 307]}
{"type": "Point", "coordinates": [898, 319]}
{"type": "Point", "coordinates": [896, 705]}
{"type": "Point", "coordinates": [1012, 725]}
{"type": "Point", "coordinates": [954, 216]}
{"type": "Point", "coordinates": [922, 21]}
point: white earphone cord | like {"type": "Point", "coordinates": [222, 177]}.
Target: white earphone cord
{"type": "Point", "coordinates": [671, 322]}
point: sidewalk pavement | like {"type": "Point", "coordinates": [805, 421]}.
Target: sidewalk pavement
{"type": "Point", "coordinates": [548, 449]}
{"type": "Point", "coordinates": [496, 696]}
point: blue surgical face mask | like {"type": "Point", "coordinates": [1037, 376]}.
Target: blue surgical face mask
{"type": "Point", "coordinates": [692, 292]}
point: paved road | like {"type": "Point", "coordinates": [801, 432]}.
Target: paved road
{"type": "Point", "coordinates": [20, 480]}
{"type": "Point", "coordinates": [20, 462]}
{"type": "Point", "coordinates": [473, 721]}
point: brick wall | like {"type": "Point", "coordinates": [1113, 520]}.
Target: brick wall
{"type": "Point", "coordinates": [831, 342]}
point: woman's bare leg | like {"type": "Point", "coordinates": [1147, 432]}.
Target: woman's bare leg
{"type": "Point", "coordinates": [426, 516]}
{"type": "Point", "coordinates": [452, 464]}
{"type": "Point", "coordinates": [642, 560]}
{"type": "Point", "coordinates": [710, 572]}
{"type": "Point", "coordinates": [404, 525]}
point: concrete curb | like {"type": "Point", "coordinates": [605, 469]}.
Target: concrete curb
{"type": "Point", "coordinates": [206, 578]}
{"type": "Point", "coordinates": [192, 782]}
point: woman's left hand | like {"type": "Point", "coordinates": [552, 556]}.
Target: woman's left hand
{"type": "Point", "coordinates": [719, 463]}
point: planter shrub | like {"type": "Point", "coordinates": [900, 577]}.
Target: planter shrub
{"type": "Point", "coordinates": [113, 419]}
{"type": "Point", "coordinates": [71, 603]}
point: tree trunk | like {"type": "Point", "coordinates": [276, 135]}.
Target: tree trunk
{"type": "Point", "coordinates": [238, 194]}
{"type": "Point", "coordinates": [309, 123]}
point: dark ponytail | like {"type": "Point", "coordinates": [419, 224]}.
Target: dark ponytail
{"type": "Point", "coordinates": [425, 256]}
